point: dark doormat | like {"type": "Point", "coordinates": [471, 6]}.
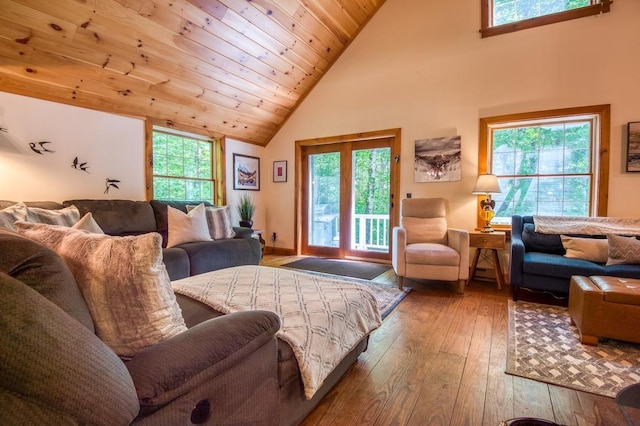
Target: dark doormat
{"type": "Point", "coordinates": [347, 268]}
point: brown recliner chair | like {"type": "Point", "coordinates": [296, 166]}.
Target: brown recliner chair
{"type": "Point", "coordinates": [424, 247]}
{"type": "Point", "coordinates": [55, 370]}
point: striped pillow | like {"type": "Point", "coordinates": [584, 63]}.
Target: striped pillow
{"type": "Point", "coordinates": [64, 217]}
{"type": "Point", "coordinates": [12, 214]}
{"type": "Point", "coordinates": [219, 222]}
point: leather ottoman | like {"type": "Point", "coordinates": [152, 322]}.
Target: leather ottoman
{"type": "Point", "coordinates": [602, 306]}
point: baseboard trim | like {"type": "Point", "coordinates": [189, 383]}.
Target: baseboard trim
{"type": "Point", "coordinates": [280, 250]}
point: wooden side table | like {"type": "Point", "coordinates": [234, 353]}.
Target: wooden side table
{"type": "Point", "coordinates": [492, 241]}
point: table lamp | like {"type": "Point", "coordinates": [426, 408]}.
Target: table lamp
{"type": "Point", "coordinates": [487, 185]}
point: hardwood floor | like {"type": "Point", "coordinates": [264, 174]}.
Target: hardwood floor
{"type": "Point", "coordinates": [439, 359]}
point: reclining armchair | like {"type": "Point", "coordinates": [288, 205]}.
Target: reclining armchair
{"type": "Point", "coordinates": [425, 248]}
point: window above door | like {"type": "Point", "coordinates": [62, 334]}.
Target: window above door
{"type": "Point", "coordinates": [505, 16]}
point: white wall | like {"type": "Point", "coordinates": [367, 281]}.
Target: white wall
{"type": "Point", "coordinates": [259, 197]}
{"type": "Point", "coordinates": [422, 66]}
{"type": "Point", "coordinates": [112, 146]}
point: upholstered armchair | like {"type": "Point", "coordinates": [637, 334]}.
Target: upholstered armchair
{"type": "Point", "coordinates": [424, 247]}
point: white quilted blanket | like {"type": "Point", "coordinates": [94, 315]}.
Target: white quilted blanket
{"type": "Point", "coordinates": [322, 318]}
{"type": "Point", "coordinates": [586, 225]}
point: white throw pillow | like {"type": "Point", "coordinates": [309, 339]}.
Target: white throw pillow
{"type": "Point", "coordinates": [186, 228]}
{"type": "Point", "coordinates": [591, 249]}
{"type": "Point", "coordinates": [88, 223]}
{"type": "Point", "coordinates": [67, 216]}
{"type": "Point", "coordinates": [122, 279]}
{"type": "Point", "coordinates": [11, 214]}
{"type": "Point", "coordinates": [218, 221]}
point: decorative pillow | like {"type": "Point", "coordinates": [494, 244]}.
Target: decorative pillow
{"type": "Point", "coordinates": [219, 222]}
{"type": "Point", "coordinates": [185, 228]}
{"type": "Point", "coordinates": [623, 250]}
{"type": "Point", "coordinates": [123, 281]}
{"type": "Point", "coordinates": [543, 243]}
{"type": "Point", "coordinates": [11, 214]}
{"type": "Point", "coordinates": [591, 249]}
{"type": "Point", "coordinates": [88, 223]}
{"type": "Point", "coordinates": [65, 217]}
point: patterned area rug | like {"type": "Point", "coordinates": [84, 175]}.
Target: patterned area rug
{"type": "Point", "coordinates": [544, 346]}
{"type": "Point", "coordinates": [387, 296]}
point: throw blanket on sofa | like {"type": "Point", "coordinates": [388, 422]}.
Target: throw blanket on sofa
{"type": "Point", "coordinates": [586, 225]}
{"type": "Point", "coordinates": [322, 318]}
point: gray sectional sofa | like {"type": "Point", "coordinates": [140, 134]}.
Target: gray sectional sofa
{"type": "Point", "coordinates": [538, 262]}
{"type": "Point", "coordinates": [55, 370]}
{"type": "Point", "coordinates": [223, 370]}
{"type": "Point", "coordinates": [126, 217]}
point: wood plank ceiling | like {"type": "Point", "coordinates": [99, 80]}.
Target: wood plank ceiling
{"type": "Point", "coordinates": [234, 68]}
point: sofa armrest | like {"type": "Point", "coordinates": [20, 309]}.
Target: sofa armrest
{"type": "Point", "coordinates": [398, 249]}
{"type": "Point", "coordinates": [517, 251]}
{"type": "Point", "coordinates": [174, 367]}
{"type": "Point", "coordinates": [458, 239]}
{"type": "Point", "coordinates": [242, 232]}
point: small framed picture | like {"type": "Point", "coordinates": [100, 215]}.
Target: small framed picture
{"type": "Point", "coordinates": [633, 146]}
{"type": "Point", "coordinates": [246, 172]}
{"type": "Point", "coordinates": [279, 171]}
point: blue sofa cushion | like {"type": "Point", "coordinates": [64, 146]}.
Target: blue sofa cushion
{"type": "Point", "coordinates": [543, 243]}
{"type": "Point", "coordinates": [554, 265]}
{"type": "Point", "coordinates": [623, 270]}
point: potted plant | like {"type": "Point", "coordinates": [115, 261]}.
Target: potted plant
{"type": "Point", "coordinates": [246, 209]}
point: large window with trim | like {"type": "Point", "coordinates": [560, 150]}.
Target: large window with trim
{"type": "Point", "coordinates": [183, 166]}
{"type": "Point", "coordinates": [548, 162]}
{"type": "Point", "coordinates": [504, 16]}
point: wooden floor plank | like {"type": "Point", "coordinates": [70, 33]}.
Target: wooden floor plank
{"type": "Point", "coordinates": [437, 393]}
{"type": "Point", "coordinates": [469, 408]}
{"type": "Point", "coordinates": [499, 396]}
{"type": "Point", "coordinates": [531, 399]}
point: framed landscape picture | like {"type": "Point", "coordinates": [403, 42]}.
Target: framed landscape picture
{"type": "Point", "coordinates": [279, 171]}
{"type": "Point", "coordinates": [633, 146]}
{"type": "Point", "coordinates": [246, 172]}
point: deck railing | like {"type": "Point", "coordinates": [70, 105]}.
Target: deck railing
{"type": "Point", "coordinates": [371, 232]}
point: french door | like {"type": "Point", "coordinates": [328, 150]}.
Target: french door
{"type": "Point", "coordinates": [347, 196]}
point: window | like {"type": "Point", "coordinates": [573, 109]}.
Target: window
{"type": "Point", "coordinates": [548, 162]}
{"type": "Point", "coordinates": [183, 166]}
{"type": "Point", "coordinates": [504, 16]}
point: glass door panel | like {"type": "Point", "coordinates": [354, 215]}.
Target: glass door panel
{"type": "Point", "coordinates": [324, 200]}
{"type": "Point", "coordinates": [346, 194]}
{"type": "Point", "coordinates": [371, 193]}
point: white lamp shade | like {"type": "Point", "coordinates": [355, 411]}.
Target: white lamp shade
{"type": "Point", "coordinates": [487, 184]}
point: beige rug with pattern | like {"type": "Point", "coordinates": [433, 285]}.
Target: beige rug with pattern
{"type": "Point", "coordinates": [544, 346]}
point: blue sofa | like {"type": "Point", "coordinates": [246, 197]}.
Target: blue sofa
{"type": "Point", "coordinates": [538, 263]}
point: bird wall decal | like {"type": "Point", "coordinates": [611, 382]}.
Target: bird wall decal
{"type": "Point", "coordinates": [111, 183]}
{"type": "Point", "coordinates": [80, 166]}
{"type": "Point", "coordinates": [39, 147]}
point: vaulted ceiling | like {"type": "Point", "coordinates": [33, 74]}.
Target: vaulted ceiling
{"type": "Point", "coordinates": [234, 68]}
